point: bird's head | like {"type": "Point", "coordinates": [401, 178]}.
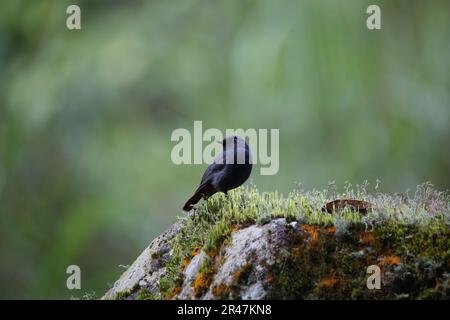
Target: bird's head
{"type": "Point", "coordinates": [231, 141]}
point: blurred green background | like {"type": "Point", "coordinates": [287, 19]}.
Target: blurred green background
{"type": "Point", "coordinates": [86, 116]}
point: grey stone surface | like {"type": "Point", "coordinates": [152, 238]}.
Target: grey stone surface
{"type": "Point", "coordinates": [247, 260]}
{"type": "Point", "coordinates": [242, 266]}
{"type": "Point", "coordinates": [148, 268]}
{"type": "Point", "coordinates": [190, 274]}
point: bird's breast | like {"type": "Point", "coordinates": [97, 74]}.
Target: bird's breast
{"type": "Point", "coordinates": [233, 176]}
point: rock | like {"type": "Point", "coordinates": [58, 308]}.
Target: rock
{"type": "Point", "coordinates": [246, 262]}
{"type": "Point", "coordinates": [289, 260]}
{"type": "Point", "coordinates": [148, 267]}
{"type": "Point", "coordinates": [248, 259]}
{"type": "Point", "coordinates": [190, 274]}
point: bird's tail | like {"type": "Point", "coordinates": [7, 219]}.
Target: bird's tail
{"type": "Point", "coordinates": [204, 191]}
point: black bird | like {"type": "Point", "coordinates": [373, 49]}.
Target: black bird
{"type": "Point", "coordinates": [228, 171]}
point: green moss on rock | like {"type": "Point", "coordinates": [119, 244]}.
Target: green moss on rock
{"type": "Point", "coordinates": [328, 254]}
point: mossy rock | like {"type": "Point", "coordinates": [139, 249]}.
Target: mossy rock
{"type": "Point", "coordinates": [253, 245]}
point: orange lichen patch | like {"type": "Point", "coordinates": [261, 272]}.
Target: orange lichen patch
{"type": "Point", "coordinates": [173, 292]}
{"type": "Point", "coordinates": [201, 283]}
{"type": "Point", "coordinates": [331, 230]}
{"type": "Point", "coordinates": [220, 290]}
{"type": "Point", "coordinates": [186, 262]}
{"type": "Point", "coordinates": [390, 260]}
{"type": "Point", "coordinates": [328, 282]}
{"type": "Point", "coordinates": [213, 254]}
{"type": "Point", "coordinates": [241, 273]}
{"type": "Point", "coordinates": [438, 284]}
{"type": "Point", "coordinates": [312, 231]}
{"type": "Point", "coordinates": [270, 278]}
{"type": "Point", "coordinates": [237, 275]}
{"type": "Point", "coordinates": [367, 238]}
{"type": "Point", "coordinates": [196, 250]}
{"type": "Point", "coordinates": [235, 228]}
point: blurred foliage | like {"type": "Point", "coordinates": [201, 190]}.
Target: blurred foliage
{"type": "Point", "coordinates": [86, 116]}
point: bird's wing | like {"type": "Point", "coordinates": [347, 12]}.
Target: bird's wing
{"type": "Point", "coordinates": [205, 190]}
{"type": "Point", "coordinates": [212, 168]}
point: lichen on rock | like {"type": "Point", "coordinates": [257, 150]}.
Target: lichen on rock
{"type": "Point", "coordinates": [254, 245]}
{"type": "Point", "coordinates": [147, 269]}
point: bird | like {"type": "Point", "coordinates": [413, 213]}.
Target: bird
{"type": "Point", "coordinates": [228, 171]}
